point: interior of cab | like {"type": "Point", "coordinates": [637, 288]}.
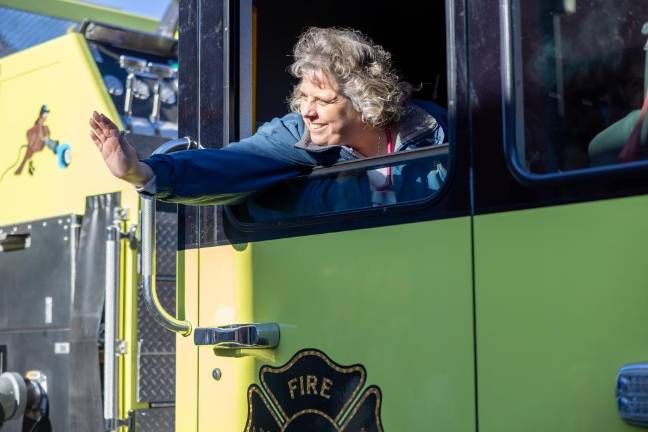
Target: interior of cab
{"type": "Point", "coordinates": [413, 32]}
{"type": "Point", "coordinates": [583, 65]}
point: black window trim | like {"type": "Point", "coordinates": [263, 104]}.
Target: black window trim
{"type": "Point", "coordinates": [510, 108]}
{"type": "Point", "coordinates": [368, 212]}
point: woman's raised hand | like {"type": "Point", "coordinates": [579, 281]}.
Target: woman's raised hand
{"type": "Point", "coordinates": [120, 156]}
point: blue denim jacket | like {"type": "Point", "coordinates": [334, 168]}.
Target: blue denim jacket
{"type": "Point", "coordinates": [279, 150]}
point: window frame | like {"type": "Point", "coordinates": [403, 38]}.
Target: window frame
{"type": "Point", "coordinates": [513, 116]}
{"type": "Point", "coordinates": [349, 166]}
{"type": "Point", "coordinates": [244, 125]}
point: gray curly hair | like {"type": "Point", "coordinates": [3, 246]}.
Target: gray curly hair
{"type": "Point", "coordinates": [361, 69]}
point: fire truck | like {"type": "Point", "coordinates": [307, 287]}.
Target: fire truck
{"type": "Point", "coordinates": [77, 350]}
{"type": "Point", "coordinates": [512, 297]}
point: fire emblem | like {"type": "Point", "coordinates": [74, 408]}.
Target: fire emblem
{"type": "Point", "coordinates": [313, 393]}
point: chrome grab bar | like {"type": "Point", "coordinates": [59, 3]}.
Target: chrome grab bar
{"type": "Point", "coordinates": [164, 318]}
{"type": "Point", "coordinates": [235, 336]}
{"type": "Point", "coordinates": [110, 390]}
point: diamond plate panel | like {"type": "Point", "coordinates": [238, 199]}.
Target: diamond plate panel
{"type": "Point", "coordinates": [157, 378]}
{"type": "Point", "coordinates": [156, 373]}
{"type": "Point", "coordinates": [153, 338]}
{"type": "Point", "coordinates": [166, 231]}
{"type": "Point", "coordinates": [155, 420]}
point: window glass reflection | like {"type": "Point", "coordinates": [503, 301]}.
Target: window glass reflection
{"type": "Point", "coordinates": [583, 67]}
{"type": "Point", "coordinates": [346, 189]}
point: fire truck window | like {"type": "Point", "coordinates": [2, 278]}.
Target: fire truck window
{"type": "Point", "coordinates": [349, 189]}
{"type": "Point", "coordinates": [417, 44]}
{"type": "Point", "coordinates": [581, 80]}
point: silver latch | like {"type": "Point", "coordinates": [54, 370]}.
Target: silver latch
{"type": "Point", "coordinates": [237, 336]}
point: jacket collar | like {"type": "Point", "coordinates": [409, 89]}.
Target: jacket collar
{"type": "Point", "coordinates": [415, 123]}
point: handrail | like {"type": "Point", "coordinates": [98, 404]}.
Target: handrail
{"type": "Point", "coordinates": [151, 300]}
{"type": "Point", "coordinates": [110, 390]}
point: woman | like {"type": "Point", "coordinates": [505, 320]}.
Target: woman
{"type": "Point", "coordinates": [349, 104]}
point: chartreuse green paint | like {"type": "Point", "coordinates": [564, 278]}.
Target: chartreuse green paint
{"type": "Point", "coordinates": [562, 304]}
{"type": "Point", "coordinates": [396, 300]}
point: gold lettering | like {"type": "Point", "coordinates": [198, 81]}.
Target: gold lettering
{"type": "Point", "coordinates": [308, 385]}
{"type": "Point", "coordinates": [311, 384]}
{"type": "Point", "coordinates": [292, 386]}
{"type": "Point", "coordinates": [326, 385]}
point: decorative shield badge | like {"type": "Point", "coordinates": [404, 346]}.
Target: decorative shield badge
{"type": "Point", "coordinates": [313, 393]}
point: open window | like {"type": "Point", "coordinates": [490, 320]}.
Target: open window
{"type": "Point", "coordinates": [575, 83]}
{"type": "Point", "coordinates": [415, 35]}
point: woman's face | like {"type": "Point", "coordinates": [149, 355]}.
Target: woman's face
{"type": "Point", "coordinates": [328, 115]}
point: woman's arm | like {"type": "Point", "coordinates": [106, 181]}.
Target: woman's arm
{"type": "Point", "coordinates": [208, 176]}
{"type": "Point", "coordinates": [215, 176]}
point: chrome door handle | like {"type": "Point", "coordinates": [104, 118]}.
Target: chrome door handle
{"type": "Point", "coordinates": [237, 336]}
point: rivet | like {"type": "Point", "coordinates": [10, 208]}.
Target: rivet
{"type": "Point", "coordinates": [217, 374]}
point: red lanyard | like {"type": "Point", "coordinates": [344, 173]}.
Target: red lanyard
{"type": "Point", "coordinates": [631, 150]}
{"type": "Point", "coordinates": [390, 150]}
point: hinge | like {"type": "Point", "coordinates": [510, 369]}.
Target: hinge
{"type": "Point", "coordinates": [120, 214]}
{"type": "Point", "coordinates": [114, 424]}
{"type": "Point", "coordinates": [131, 235]}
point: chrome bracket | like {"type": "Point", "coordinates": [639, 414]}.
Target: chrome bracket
{"type": "Point", "coordinates": [121, 347]}
{"type": "Point", "coordinates": [131, 236]}
{"type": "Point", "coordinates": [120, 214]}
{"type": "Point", "coordinates": [116, 423]}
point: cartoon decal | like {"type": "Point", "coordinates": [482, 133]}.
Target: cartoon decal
{"type": "Point", "coordinates": [38, 137]}
{"type": "Point", "coordinates": [313, 393]}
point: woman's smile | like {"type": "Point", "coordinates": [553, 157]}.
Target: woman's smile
{"type": "Point", "coordinates": [316, 127]}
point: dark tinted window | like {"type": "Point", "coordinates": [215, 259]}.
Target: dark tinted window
{"type": "Point", "coordinates": [580, 82]}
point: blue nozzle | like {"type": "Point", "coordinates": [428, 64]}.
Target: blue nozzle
{"type": "Point", "coordinates": [63, 155]}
